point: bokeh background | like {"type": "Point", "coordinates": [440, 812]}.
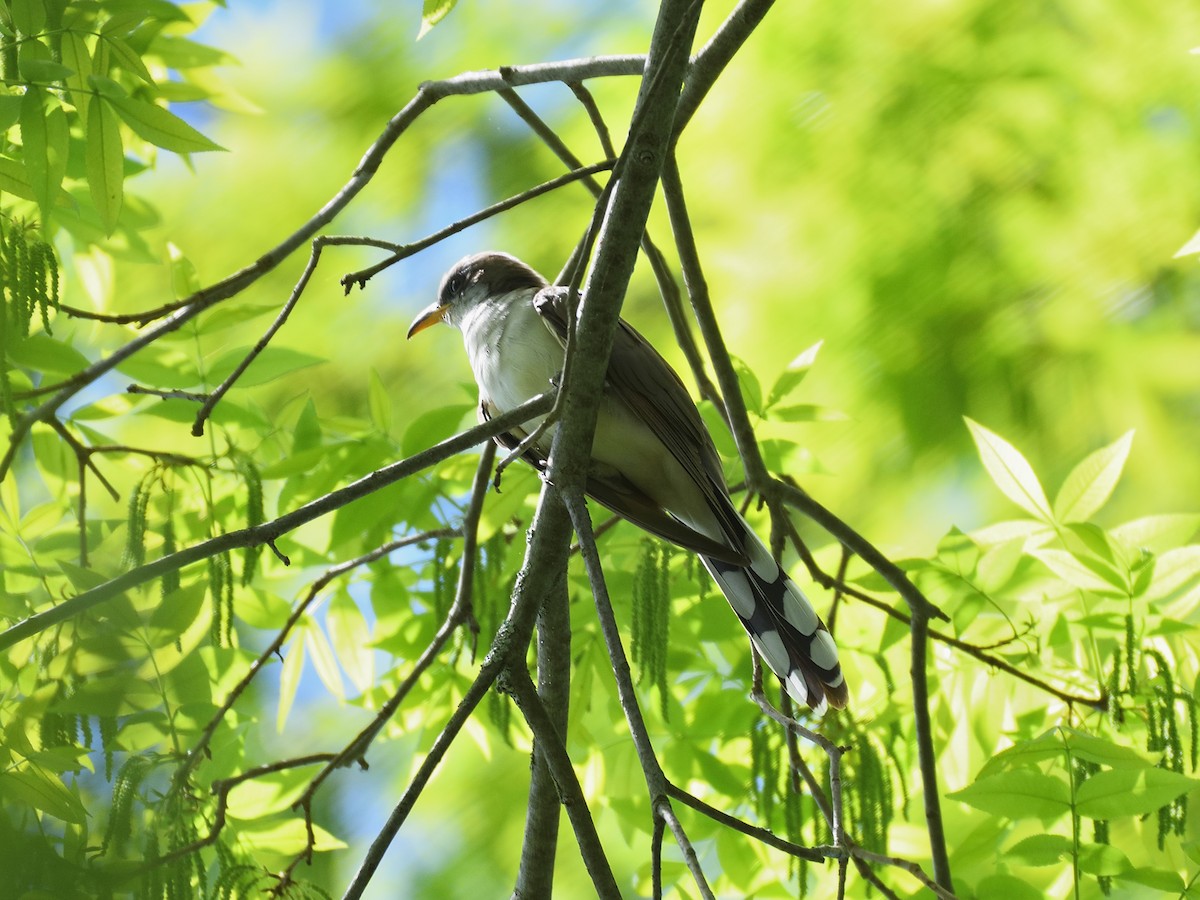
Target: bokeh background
{"type": "Point", "coordinates": [975, 205]}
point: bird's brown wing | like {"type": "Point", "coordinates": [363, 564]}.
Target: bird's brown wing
{"type": "Point", "coordinates": [642, 380]}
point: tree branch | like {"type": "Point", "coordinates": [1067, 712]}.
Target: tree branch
{"type": "Point", "coordinates": [535, 877]}
{"type": "Point", "coordinates": [548, 736]}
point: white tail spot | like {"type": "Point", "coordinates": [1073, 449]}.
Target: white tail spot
{"type": "Point", "coordinates": [823, 650]}
{"type": "Point", "coordinates": [770, 646]}
{"type": "Point", "coordinates": [798, 611]}
{"type": "Point", "coordinates": [761, 560]}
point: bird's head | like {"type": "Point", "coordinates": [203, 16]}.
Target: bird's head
{"type": "Point", "coordinates": [473, 280]}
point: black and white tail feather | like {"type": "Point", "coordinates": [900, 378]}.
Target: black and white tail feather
{"type": "Point", "coordinates": [653, 460]}
{"type": "Point", "coordinates": [783, 626]}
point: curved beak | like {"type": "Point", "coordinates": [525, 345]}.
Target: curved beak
{"type": "Point", "coordinates": [430, 315]}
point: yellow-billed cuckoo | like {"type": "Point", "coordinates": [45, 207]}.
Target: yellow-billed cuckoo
{"type": "Point", "coordinates": [653, 461]}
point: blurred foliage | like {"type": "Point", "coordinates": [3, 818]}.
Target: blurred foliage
{"type": "Point", "coordinates": [975, 206]}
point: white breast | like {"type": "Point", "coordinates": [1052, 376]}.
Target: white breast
{"type": "Point", "coordinates": [513, 355]}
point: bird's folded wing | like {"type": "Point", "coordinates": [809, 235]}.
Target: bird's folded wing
{"type": "Point", "coordinates": [641, 379]}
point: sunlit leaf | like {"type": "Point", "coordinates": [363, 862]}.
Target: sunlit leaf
{"type": "Point", "coordinates": [289, 679]}
{"type": "Point", "coordinates": [1130, 792]}
{"type": "Point", "coordinates": [105, 162]}
{"type": "Point", "coordinates": [273, 362]}
{"type": "Point", "coordinates": [1091, 482]}
{"type": "Point", "coordinates": [160, 126]}
{"type": "Point", "coordinates": [351, 639]}
{"type": "Point", "coordinates": [33, 785]}
{"type": "Point", "coordinates": [1010, 472]}
{"type": "Point", "coordinates": [792, 377]}
{"type": "Point", "coordinates": [1019, 794]}
{"type": "Point", "coordinates": [432, 12]}
{"type": "Point", "coordinates": [323, 660]}
{"type": "Point", "coordinates": [1041, 850]}
{"type": "Point", "coordinates": [1070, 569]}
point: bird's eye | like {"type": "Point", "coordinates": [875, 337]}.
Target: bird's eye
{"type": "Point", "coordinates": [456, 283]}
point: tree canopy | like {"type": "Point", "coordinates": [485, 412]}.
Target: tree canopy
{"type": "Point", "coordinates": [266, 626]}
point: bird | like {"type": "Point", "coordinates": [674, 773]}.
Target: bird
{"type": "Point", "coordinates": [653, 461]}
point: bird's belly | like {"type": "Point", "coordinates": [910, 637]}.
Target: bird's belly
{"type": "Point", "coordinates": [523, 369]}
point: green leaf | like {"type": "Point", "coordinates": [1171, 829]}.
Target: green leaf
{"type": "Point", "coordinates": [105, 162]}
{"type": "Point", "coordinates": [1159, 879]}
{"type": "Point", "coordinates": [184, 280]}
{"type": "Point", "coordinates": [1130, 792]}
{"type": "Point", "coordinates": [431, 427]}
{"type": "Point", "coordinates": [432, 12]}
{"type": "Point", "coordinates": [1006, 887]}
{"type": "Point", "coordinates": [793, 375]}
{"type": "Point", "coordinates": [10, 110]}
{"type": "Point", "coordinates": [750, 387]}
{"type": "Point", "coordinates": [182, 53]}
{"type": "Point", "coordinates": [34, 147]}
{"type": "Point", "coordinates": [34, 786]}
{"type": "Point", "coordinates": [78, 59]}
{"type": "Point", "coordinates": [289, 678]}
{"type": "Point", "coordinates": [1091, 483]}
{"type": "Point", "coordinates": [286, 838]}
{"type": "Point", "coordinates": [1069, 568]}
{"type": "Point", "coordinates": [1020, 794]}
{"type": "Point", "coordinates": [1104, 752]}
{"type": "Point", "coordinates": [1011, 472]}
{"type": "Point", "coordinates": [42, 353]}
{"type": "Point", "coordinates": [323, 660]}
{"type": "Point", "coordinates": [126, 58]}
{"type": "Point", "coordinates": [351, 639]}
{"type": "Point", "coordinates": [43, 71]}
{"type": "Point", "coordinates": [1158, 533]}
{"type": "Point", "coordinates": [1176, 575]}
{"type": "Point", "coordinates": [273, 362]}
{"type": "Point", "coordinates": [1102, 859]}
{"type": "Point", "coordinates": [1041, 850]}
{"type": "Point", "coordinates": [29, 16]}
{"type": "Point", "coordinates": [161, 127]}
{"type": "Point", "coordinates": [81, 579]}
{"type": "Point", "coordinates": [1024, 754]}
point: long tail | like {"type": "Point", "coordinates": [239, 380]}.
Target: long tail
{"type": "Point", "coordinates": [784, 627]}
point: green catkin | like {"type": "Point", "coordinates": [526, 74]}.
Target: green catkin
{"type": "Point", "coordinates": [1113, 690]}
{"type": "Point", "coordinates": [442, 589]}
{"type": "Point", "coordinates": [152, 884]}
{"type": "Point", "coordinates": [643, 589]}
{"type": "Point", "coordinates": [108, 737]}
{"type": "Point", "coordinates": [125, 787]}
{"type": "Point", "coordinates": [216, 591]}
{"type": "Point", "coordinates": [1130, 656]}
{"type": "Point", "coordinates": [662, 629]}
{"type": "Point", "coordinates": [255, 514]}
{"type": "Point", "coordinates": [170, 579]}
{"type": "Point", "coordinates": [135, 541]}
{"type": "Point", "coordinates": [227, 599]}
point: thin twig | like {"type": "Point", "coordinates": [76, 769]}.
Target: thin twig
{"type": "Point", "coordinates": [214, 398]}
{"type": "Point", "coordinates": [759, 834]}
{"type": "Point", "coordinates": [403, 251]}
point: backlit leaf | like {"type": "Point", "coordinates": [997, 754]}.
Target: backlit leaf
{"type": "Point", "coordinates": [1010, 471]}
